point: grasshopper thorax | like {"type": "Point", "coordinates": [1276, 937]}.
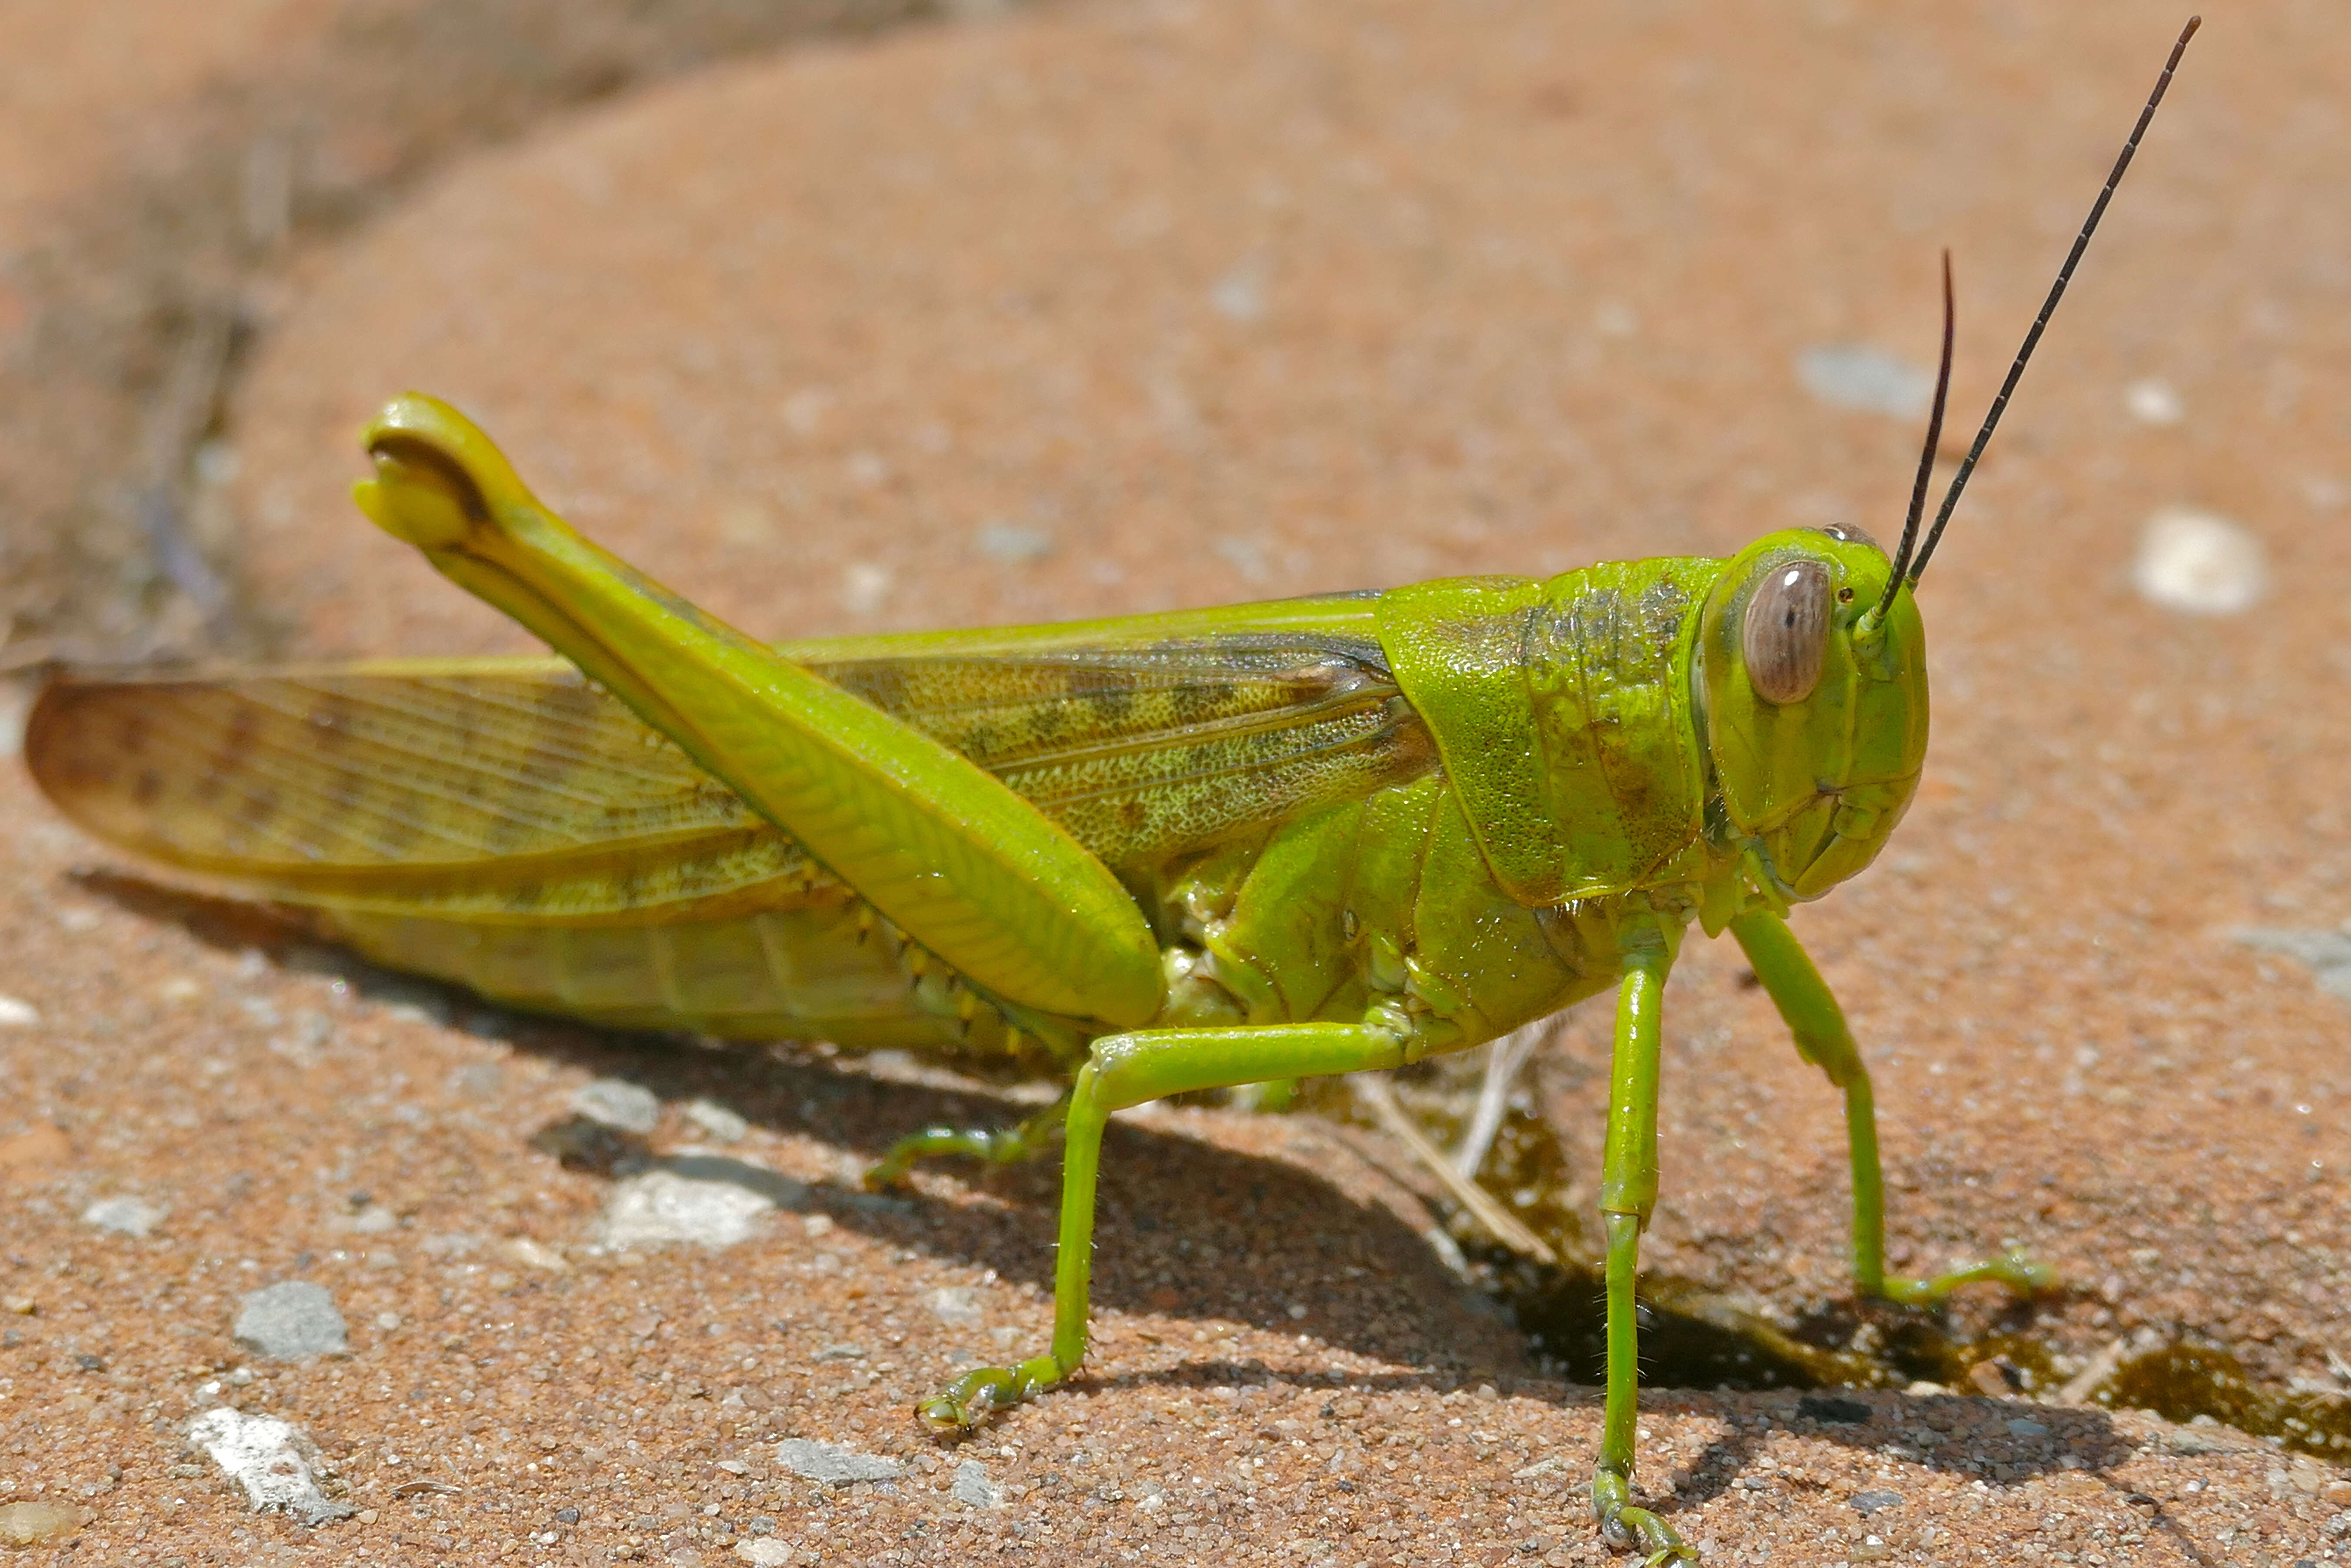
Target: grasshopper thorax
{"type": "Point", "coordinates": [1813, 711]}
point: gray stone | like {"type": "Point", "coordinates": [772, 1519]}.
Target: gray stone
{"type": "Point", "coordinates": [972, 1486]}
{"type": "Point", "coordinates": [830, 1463]}
{"type": "Point", "coordinates": [617, 1102]}
{"type": "Point", "coordinates": [2327, 952]}
{"type": "Point", "coordinates": [291, 1321]}
{"type": "Point", "coordinates": [1868, 1503]}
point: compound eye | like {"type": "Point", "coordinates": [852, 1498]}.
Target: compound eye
{"type": "Point", "coordinates": [1786, 634]}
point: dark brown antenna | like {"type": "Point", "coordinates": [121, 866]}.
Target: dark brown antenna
{"type": "Point", "coordinates": [2049, 305]}
{"type": "Point", "coordinates": [1926, 458]}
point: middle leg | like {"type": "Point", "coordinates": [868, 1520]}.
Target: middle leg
{"type": "Point", "coordinates": [992, 1146]}
{"type": "Point", "coordinates": [1129, 1070]}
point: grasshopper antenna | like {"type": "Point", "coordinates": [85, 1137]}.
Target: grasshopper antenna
{"type": "Point", "coordinates": [1926, 458]}
{"type": "Point", "coordinates": [2048, 308]}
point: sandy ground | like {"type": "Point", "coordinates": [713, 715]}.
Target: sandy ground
{"type": "Point", "coordinates": [1112, 308]}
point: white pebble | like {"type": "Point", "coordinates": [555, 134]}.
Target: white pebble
{"type": "Point", "coordinates": [270, 1458]}
{"type": "Point", "coordinates": [15, 1014]}
{"type": "Point", "coordinates": [1239, 295]}
{"type": "Point", "coordinates": [863, 586]}
{"type": "Point", "coordinates": [1864, 377]}
{"type": "Point", "coordinates": [1011, 543]}
{"type": "Point", "coordinates": [2152, 401]}
{"type": "Point", "coordinates": [765, 1552]}
{"type": "Point", "coordinates": [662, 1206]}
{"type": "Point", "coordinates": [374, 1219]}
{"type": "Point", "coordinates": [957, 1305]}
{"type": "Point", "coordinates": [533, 1254]}
{"type": "Point", "coordinates": [617, 1102]}
{"type": "Point", "coordinates": [1614, 318]}
{"type": "Point", "coordinates": [123, 1216]}
{"type": "Point", "coordinates": [2201, 563]}
{"type": "Point", "coordinates": [725, 1125]}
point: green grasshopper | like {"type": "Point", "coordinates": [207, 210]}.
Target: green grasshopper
{"type": "Point", "coordinates": [1151, 856]}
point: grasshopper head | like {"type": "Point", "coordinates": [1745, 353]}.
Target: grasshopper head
{"type": "Point", "coordinates": [1814, 710]}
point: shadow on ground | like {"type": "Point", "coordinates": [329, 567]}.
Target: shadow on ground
{"type": "Point", "coordinates": [1171, 1207]}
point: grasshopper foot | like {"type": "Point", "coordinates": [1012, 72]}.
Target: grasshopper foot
{"type": "Point", "coordinates": [1630, 1528]}
{"type": "Point", "coordinates": [993, 1145]}
{"type": "Point", "coordinates": [2019, 1274]}
{"type": "Point", "coordinates": [970, 1399]}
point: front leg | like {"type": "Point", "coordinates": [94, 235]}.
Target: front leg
{"type": "Point", "coordinates": [1129, 1070]}
{"type": "Point", "coordinates": [1628, 1191]}
{"type": "Point", "coordinates": [1822, 1038]}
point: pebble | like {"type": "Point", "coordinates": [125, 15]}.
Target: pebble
{"type": "Point", "coordinates": [765, 1552]}
{"type": "Point", "coordinates": [290, 1320]}
{"type": "Point", "coordinates": [1012, 544]}
{"type": "Point", "coordinates": [1868, 1503]}
{"type": "Point", "coordinates": [662, 1205]}
{"type": "Point", "coordinates": [123, 1216]}
{"type": "Point", "coordinates": [32, 1524]}
{"type": "Point", "coordinates": [833, 1464]}
{"type": "Point", "coordinates": [2199, 562]}
{"type": "Point", "coordinates": [15, 1014]}
{"type": "Point", "coordinates": [371, 1219]}
{"type": "Point", "coordinates": [1239, 295]}
{"type": "Point", "coordinates": [863, 587]}
{"type": "Point", "coordinates": [717, 1121]}
{"type": "Point", "coordinates": [958, 1305]}
{"type": "Point", "coordinates": [2153, 400]}
{"type": "Point", "coordinates": [266, 1457]}
{"type": "Point", "coordinates": [1862, 377]}
{"type": "Point", "coordinates": [617, 1102]}
{"type": "Point", "coordinates": [972, 1486]}
{"type": "Point", "coordinates": [2328, 954]}
{"type": "Point", "coordinates": [532, 1254]}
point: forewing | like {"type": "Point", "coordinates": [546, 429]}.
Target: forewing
{"type": "Point", "coordinates": [506, 786]}
{"type": "Point", "coordinates": [1144, 752]}
{"type": "Point", "coordinates": [512, 790]}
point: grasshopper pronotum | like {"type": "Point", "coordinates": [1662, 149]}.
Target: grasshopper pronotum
{"type": "Point", "coordinates": [1152, 855]}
